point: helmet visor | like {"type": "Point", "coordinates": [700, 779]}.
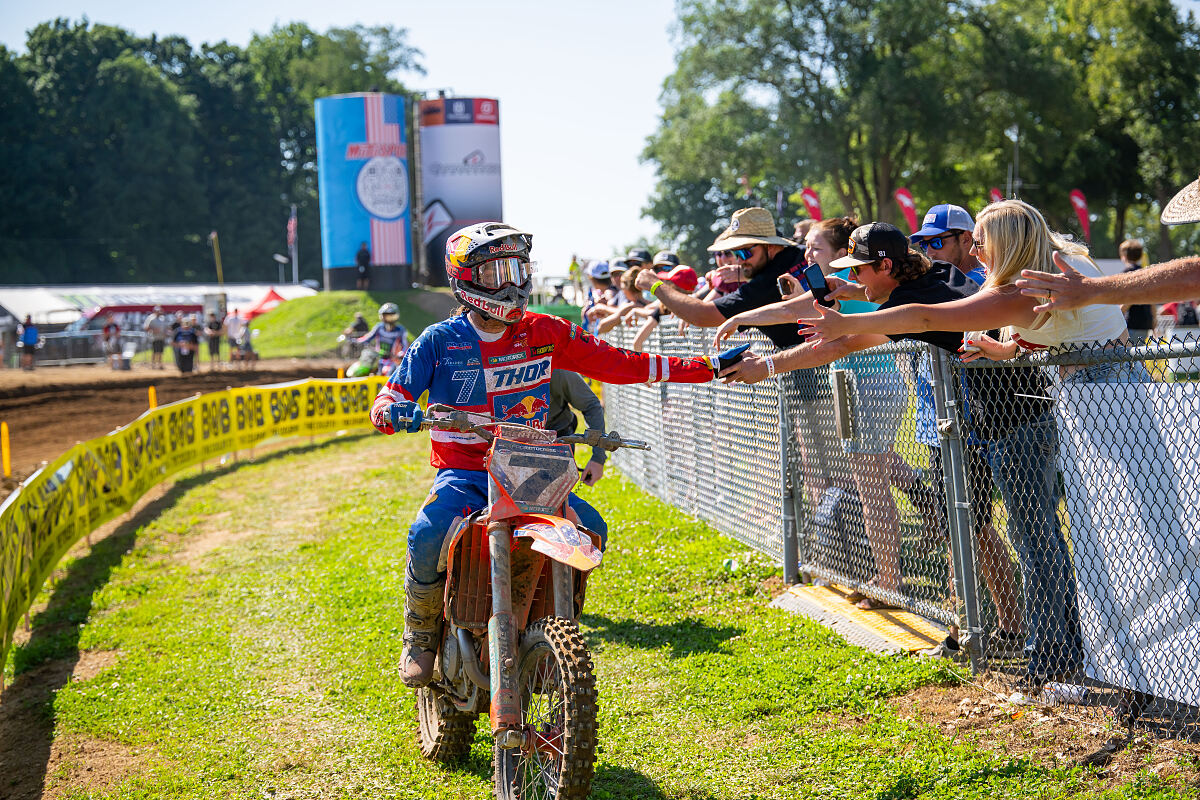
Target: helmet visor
{"type": "Point", "coordinates": [499, 271]}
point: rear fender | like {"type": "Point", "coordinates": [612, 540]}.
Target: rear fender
{"type": "Point", "coordinates": [559, 539]}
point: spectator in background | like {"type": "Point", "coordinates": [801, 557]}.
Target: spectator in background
{"type": "Point", "coordinates": [617, 267]}
{"type": "Point", "coordinates": [213, 328]}
{"type": "Point", "coordinates": [235, 331]}
{"type": "Point", "coordinates": [186, 342]}
{"type": "Point", "coordinates": [27, 340]}
{"type": "Point", "coordinates": [764, 256]}
{"type": "Point", "coordinates": [637, 257]}
{"type": "Point", "coordinates": [110, 336]}
{"type": "Point", "coordinates": [362, 260]}
{"type": "Point", "coordinates": [800, 231]}
{"type": "Point", "coordinates": [602, 297]}
{"type": "Point", "coordinates": [1139, 317]}
{"type": "Point", "coordinates": [156, 327]}
{"type": "Point", "coordinates": [568, 390]}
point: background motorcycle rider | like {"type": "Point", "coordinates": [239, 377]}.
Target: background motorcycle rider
{"type": "Point", "coordinates": [392, 338]}
{"type": "Point", "coordinates": [492, 358]}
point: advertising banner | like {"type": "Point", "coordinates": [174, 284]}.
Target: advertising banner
{"type": "Point", "coordinates": [460, 169]}
{"type": "Point", "coordinates": [362, 179]}
{"type": "Point", "coordinates": [97, 480]}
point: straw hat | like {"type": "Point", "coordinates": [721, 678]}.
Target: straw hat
{"type": "Point", "coordinates": [1184, 206]}
{"type": "Point", "coordinates": [750, 226]}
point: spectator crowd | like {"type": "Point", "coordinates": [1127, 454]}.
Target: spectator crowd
{"type": "Point", "coordinates": [997, 286]}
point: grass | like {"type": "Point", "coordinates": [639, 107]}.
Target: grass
{"type": "Point", "coordinates": [252, 628]}
{"type": "Point", "coordinates": [309, 326]}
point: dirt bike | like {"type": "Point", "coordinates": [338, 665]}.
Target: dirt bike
{"type": "Point", "coordinates": [516, 575]}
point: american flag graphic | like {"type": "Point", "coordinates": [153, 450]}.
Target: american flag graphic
{"type": "Point", "coordinates": [389, 240]}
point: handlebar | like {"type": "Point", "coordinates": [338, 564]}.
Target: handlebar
{"type": "Point", "coordinates": [457, 420]}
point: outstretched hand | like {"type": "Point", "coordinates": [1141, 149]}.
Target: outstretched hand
{"type": "Point", "coordinates": [728, 328]}
{"type": "Point", "coordinates": [1060, 292]}
{"type": "Point", "coordinates": [825, 326]}
{"type": "Point", "coordinates": [751, 369]}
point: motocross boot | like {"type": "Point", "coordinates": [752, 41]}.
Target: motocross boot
{"type": "Point", "coordinates": [422, 630]}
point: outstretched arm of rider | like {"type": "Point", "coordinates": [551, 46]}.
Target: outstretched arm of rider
{"type": "Point", "coordinates": [579, 351]}
{"type": "Point", "coordinates": [408, 381]}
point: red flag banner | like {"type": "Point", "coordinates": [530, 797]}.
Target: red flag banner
{"type": "Point", "coordinates": [1079, 203]}
{"type": "Point", "coordinates": [291, 231]}
{"type": "Point", "coordinates": [995, 195]}
{"type": "Point", "coordinates": [811, 202]}
{"type": "Point", "coordinates": [908, 206]}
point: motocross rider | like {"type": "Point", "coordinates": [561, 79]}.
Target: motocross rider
{"type": "Point", "coordinates": [495, 358]}
{"type": "Point", "coordinates": [393, 339]}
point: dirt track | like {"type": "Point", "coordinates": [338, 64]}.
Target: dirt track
{"type": "Point", "coordinates": [51, 408]}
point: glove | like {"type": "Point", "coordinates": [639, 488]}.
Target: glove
{"type": "Point", "coordinates": [409, 409]}
{"type": "Point", "coordinates": [728, 358]}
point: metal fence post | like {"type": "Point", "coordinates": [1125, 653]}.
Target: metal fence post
{"type": "Point", "coordinates": [958, 504]}
{"type": "Point", "coordinates": [787, 493]}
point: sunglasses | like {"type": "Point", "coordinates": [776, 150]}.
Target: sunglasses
{"type": "Point", "coordinates": [741, 254]}
{"type": "Point", "coordinates": [938, 242]}
{"type": "Point", "coordinates": [977, 244]}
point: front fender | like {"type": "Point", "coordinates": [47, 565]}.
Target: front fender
{"type": "Point", "coordinates": [559, 539]}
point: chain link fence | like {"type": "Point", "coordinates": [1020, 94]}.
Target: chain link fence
{"type": "Point", "coordinates": [1043, 510]}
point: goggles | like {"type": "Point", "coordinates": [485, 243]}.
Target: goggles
{"type": "Point", "coordinates": [499, 271]}
{"type": "Point", "coordinates": [389, 318]}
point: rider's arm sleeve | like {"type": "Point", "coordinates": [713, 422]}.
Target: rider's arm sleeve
{"type": "Point", "coordinates": [407, 382]}
{"type": "Point", "coordinates": [370, 335]}
{"type": "Point", "coordinates": [579, 351]}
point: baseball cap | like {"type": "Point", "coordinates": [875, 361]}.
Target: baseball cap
{"type": "Point", "coordinates": [942, 218]}
{"type": "Point", "coordinates": [616, 265]}
{"type": "Point", "coordinates": [666, 258]}
{"type": "Point", "coordinates": [872, 242]}
{"type": "Point", "coordinates": [684, 278]}
{"type": "Point", "coordinates": [638, 255]}
{"type": "Point", "coordinates": [599, 270]}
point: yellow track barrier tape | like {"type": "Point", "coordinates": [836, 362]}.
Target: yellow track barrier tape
{"type": "Point", "coordinates": [905, 630]}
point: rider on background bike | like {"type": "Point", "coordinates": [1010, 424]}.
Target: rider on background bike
{"type": "Point", "coordinates": [392, 338]}
{"type": "Point", "coordinates": [493, 358]}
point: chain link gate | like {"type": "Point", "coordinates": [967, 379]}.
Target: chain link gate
{"type": "Point", "coordinates": [1044, 507]}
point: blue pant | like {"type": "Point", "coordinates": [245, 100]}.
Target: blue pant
{"type": "Point", "coordinates": [457, 493]}
{"type": "Point", "coordinates": [1023, 465]}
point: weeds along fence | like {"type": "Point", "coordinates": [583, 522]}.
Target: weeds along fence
{"type": "Point", "coordinates": [95, 481]}
{"type": "Point", "coordinates": [1046, 507]}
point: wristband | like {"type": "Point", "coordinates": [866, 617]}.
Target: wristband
{"type": "Point", "coordinates": [654, 286]}
{"type": "Point", "coordinates": [770, 365]}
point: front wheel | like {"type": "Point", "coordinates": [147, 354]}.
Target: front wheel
{"type": "Point", "coordinates": [558, 717]}
{"type": "Point", "coordinates": [444, 732]}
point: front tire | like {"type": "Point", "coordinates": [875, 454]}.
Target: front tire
{"type": "Point", "coordinates": [443, 732]}
{"type": "Point", "coordinates": [557, 689]}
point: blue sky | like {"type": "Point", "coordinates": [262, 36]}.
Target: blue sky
{"type": "Point", "coordinates": [578, 84]}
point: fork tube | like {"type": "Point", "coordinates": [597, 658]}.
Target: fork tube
{"type": "Point", "coordinates": [502, 637]}
{"type": "Point", "coordinates": [562, 574]}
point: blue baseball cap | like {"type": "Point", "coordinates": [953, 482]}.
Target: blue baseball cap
{"type": "Point", "coordinates": [599, 270]}
{"type": "Point", "coordinates": [942, 218]}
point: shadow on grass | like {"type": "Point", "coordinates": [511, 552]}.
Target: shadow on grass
{"type": "Point", "coordinates": [45, 663]}
{"type": "Point", "coordinates": [686, 637]}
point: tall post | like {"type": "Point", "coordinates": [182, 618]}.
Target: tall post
{"type": "Point", "coordinates": [958, 504]}
{"type": "Point", "coordinates": [216, 247]}
{"type": "Point", "coordinates": [295, 247]}
{"type": "Point", "coordinates": [788, 493]}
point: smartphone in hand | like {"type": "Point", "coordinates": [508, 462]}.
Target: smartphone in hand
{"type": "Point", "coordinates": [818, 284]}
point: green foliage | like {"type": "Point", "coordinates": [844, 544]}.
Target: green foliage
{"type": "Point", "coordinates": [120, 154]}
{"type": "Point", "coordinates": [253, 626]}
{"type": "Point", "coordinates": [860, 98]}
{"type": "Point", "coordinates": [309, 326]}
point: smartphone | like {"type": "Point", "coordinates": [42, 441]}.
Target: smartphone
{"type": "Point", "coordinates": [818, 285]}
{"type": "Point", "coordinates": [783, 286]}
